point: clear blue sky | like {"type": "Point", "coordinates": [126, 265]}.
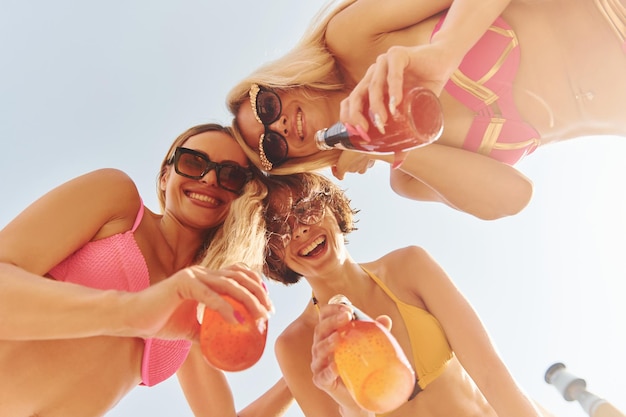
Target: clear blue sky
{"type": "Point", "coordinates": [87, 85]}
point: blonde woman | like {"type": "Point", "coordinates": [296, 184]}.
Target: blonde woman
{"type": "Point", "coordinates": [512, 75]}
{"type": "Point", "coordinates": [98, 294]}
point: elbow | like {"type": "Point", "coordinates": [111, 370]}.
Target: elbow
{"type": "Point", "coordinates": [510, 203]}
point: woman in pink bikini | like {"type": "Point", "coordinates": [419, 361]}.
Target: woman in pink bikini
{"type": "Point", "coordinates": [98, 294]}
{"type": "Point", "coordinates": [511, 75]}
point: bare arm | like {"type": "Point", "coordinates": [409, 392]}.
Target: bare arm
{"type": "Point", "coordinates": [365, 29]}
{"type": "Point", "coordinates": [45, 233]}
{"type": "Point", "coordinates": [463, 180]}
{"type": "Point", "coordinates": [208, 393]}
{"type": "Point", "coordinates": [293, 352]}
{"type": "Point", "coordinates": [100, 204]}
{"type": "Point", "coordinates": [429, 63]}
{"type": "Point", "coordinates": [468, 338]}
{"type": "Point", "coordinates": [274, 402]}
{"type": "Point", "coordinates": [325, 373]}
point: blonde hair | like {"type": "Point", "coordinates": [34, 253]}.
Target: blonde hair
{"type": "Point", "coordinates": [241, 238]}
{"type": "Point", "coordinates": [293, 165]}
{"type": "Point", "coordinates": [179, 141]}
{"type": "Point", "coordinates": [309, 65]}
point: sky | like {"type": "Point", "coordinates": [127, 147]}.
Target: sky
{"type": "Point", "coordinates": [87, 85]}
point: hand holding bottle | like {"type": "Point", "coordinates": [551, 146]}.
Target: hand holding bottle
{"type": "Point", "coordinates": [416, 121]}
{"type": "Point", "coordinates": [383, 85]}
{"type": "Point", "coordinates": [231, 345]}
{"type": "Point", "coordinates": [358, 362]}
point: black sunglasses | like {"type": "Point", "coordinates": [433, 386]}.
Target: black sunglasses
{"type": "Point", "coordinates": [195, 165]}
{"type": "Point", "coordinates": [267, 108]}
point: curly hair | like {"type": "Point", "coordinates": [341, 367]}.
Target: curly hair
{"type": "Point", "coordinates": [299, 185]}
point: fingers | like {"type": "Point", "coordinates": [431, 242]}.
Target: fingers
{"type": "Point", "coordinates": [205, 289]}
{"type": "Point", "coordinates": [398, 159]}
{"type": "Point", "coordinates": [208, 286]}
{"type": "Point", "coordinates": [325, 339]}
{"type": "Point", "coordinates": [253, 282]}
{"type": "Point", "coordinates": [337, 172]}
{"type": "Point", "coordinates": [350, 161]}
{"type": "Point", "coordinates": [331, 318]}
{"type": "Point", "coordinates": [397, 60]}
{"type": "Point", "coordinates": [385, 321]}
{"type": "Point", "coordinates": [351, 108]}
{"type": "Point", "coordinates": [325, 377]}
{"type": "Point", "coordinates": [379, 92]}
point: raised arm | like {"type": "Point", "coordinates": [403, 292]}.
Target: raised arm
{"type": "Point", "coordinates": [325, 373]}
{"type": "Point", "coordinates": [463, 180]}
{"type": "Point", "coordinates": [429, 63]}
{"type": "Point", "coordinates": [43, 235]}
{"type": "Point", "coordinates": [365, 29]}
{"type": "Point", "coordinates": [468, 338]}
{"type": "Point", "coordinates": [293, 352]}
{"type": "Point", "coordinates": [92, 206]}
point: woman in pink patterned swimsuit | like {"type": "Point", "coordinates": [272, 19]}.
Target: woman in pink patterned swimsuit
{"type": "Point", "coordinates": [98, 294]}
{"type": "Point", "coordinates": [511, 75]}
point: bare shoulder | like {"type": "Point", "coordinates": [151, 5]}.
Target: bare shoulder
{"type": "Point", "coordinates": [368, 24]}
{"type": "Point", "coordinates": [296, 339]}
{"type": "Point", "coordinates": [111, 180]}
{"type": "Point", "coordinates": [407, 256]}
{"type": "Point", "coordinates": [405, 271]}
{"type": "Point", "coordinates": [119, 192]}
{"type": "Point", "coordinates": [298, 333]}
{"type": "Point", "coordinates": [89, 207]}
{"type": "Point", "coordinates": [112, 184]}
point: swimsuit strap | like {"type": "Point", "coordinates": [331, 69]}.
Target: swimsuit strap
{"type": "Point", "coordinates": [315, 302]}
{"type": "Point", "coordinates": [139, 216]}
{"type": "Point", "coordinates": [416, 388]}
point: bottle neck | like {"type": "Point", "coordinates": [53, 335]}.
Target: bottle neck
{"type": "Point", "coordinates": [334, 137]}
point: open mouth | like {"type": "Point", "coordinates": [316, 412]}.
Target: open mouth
{"type": "Point", "coordinates": [299, 124]}
{"type": "Point", "coordinates": [202, 197]}
{"type": "Point", "coordinates": [314, 248]}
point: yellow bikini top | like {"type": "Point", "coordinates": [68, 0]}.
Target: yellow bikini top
{"type": "Point", "coordinates": [429, 346]}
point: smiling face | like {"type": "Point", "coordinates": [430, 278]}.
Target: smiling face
{"type": "Point", "coordinates": [307, 217]}
{"type": "Point", "coordinates": [202, 203]}
{"type": "Point", "coordinates": [299, 116]}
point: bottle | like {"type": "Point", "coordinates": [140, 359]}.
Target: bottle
{"type": "Point", "coordinates": [573, 388]}
{"type": "Point", "coordinates": [227, 346]}
{"type": "Point", "coordinates": [371, 363]}
{"type": "Point", "coordinates": [418, 121]}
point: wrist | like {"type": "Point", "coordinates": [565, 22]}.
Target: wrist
{"type": "Point", "coordinates": [450, 52]}
{"type": "Point", "coordinates": [116, 310]}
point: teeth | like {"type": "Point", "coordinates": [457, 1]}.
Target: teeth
{"type": "Point", "coordinates": [314, 244]}
{"type": "Point", "coordinates": [203, 197]}
{"type": "Point", "coordinates": [299, 124]}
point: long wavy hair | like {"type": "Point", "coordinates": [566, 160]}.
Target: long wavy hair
{"type": "Point", "coordinates": [241, 237]}
{"type": "Point", "coordinates": [309, 66]}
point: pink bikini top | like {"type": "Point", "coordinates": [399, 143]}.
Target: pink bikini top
{"type": "Point", "coordinates": [117, 263]}
{"type": "Point", "coordinates": [484, 84]}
